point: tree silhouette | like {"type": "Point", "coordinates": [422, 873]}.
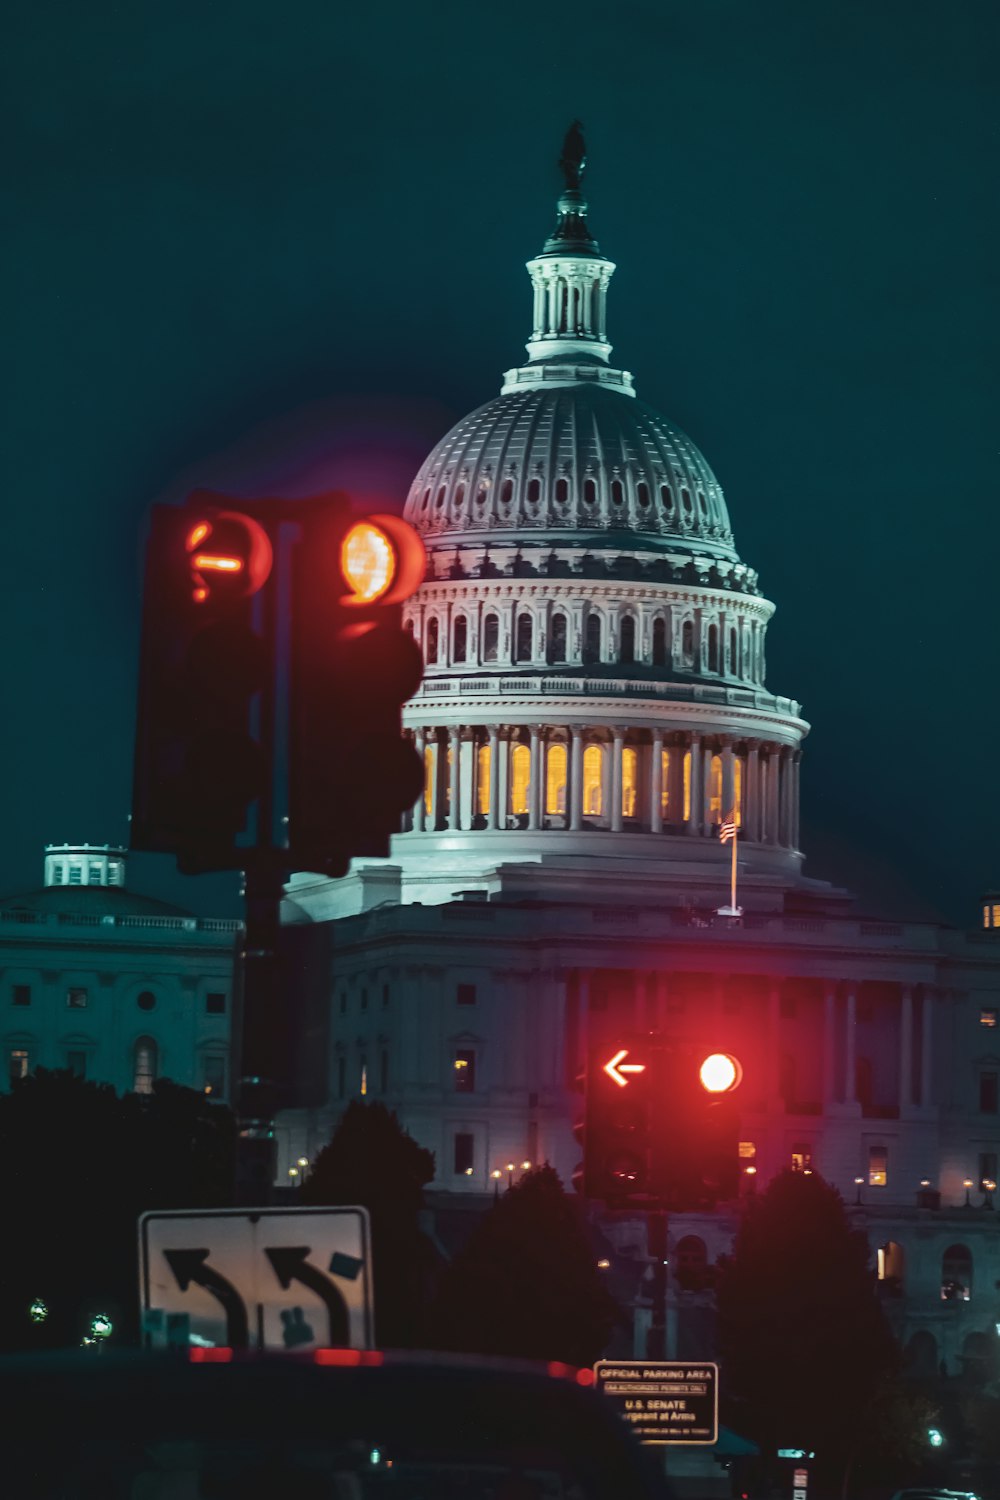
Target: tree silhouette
{"type": "Point", "coordinates": [373, 1162]}
{"type": "Point", "coordinates": [806, 1351]}
{"type": "Point", "coordinates": [527, 1284]}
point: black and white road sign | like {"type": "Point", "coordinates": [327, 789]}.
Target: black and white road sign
{"type": "Point", "coordinates": [267, 1278]}
{"type": "Point", "coordinates": [665, 1401]}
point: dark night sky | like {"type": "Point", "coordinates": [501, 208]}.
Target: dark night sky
{"type": "Point", "coordinates": [281, 245]}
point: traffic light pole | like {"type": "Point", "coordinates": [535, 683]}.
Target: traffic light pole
{"type": "Point", "coordinates": [656, 1233]}
{"type": "Point", "coordinates": [255, 1044]}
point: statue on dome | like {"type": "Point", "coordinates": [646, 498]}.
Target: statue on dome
{"type": "Point", "coordinates": [574, 156]}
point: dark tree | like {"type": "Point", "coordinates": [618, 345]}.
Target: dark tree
{"type": "Point", "coordinates": [373, 1162]}
{"type": "Point", "coordinates": [527, 1284]}
{"type": "Point", "coordinates": [78, 1165]}
{"type": "Point", "coordinates": [806, 1351]}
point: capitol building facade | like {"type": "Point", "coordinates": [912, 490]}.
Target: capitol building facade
{"type": "Point", "coordinates": [593, 707]}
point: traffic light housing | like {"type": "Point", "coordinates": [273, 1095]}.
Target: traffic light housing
{"type": "Point", "coordinates": [351, 773]}
{"type": "Point", "coordinates": [200, 764]}
{"type": "Point", "coordinates": [661, 1125]}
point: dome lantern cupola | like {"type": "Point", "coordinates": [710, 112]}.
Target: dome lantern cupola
{"type": "Point", "coordinates": [570, 282]}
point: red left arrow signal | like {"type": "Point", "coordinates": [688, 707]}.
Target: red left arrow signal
{"type": "Point", "coordinates": [616, 1067]}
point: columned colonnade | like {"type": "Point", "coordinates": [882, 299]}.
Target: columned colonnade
{"type": "Point", "coordinates": [497, 776]}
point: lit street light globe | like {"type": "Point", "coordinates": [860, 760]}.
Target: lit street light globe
{"type": "Point", "coordinates": [38, 1311]}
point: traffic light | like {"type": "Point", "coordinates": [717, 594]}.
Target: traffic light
{"type": "Point", "coordinates": [199, 763]}
{"type": "Point", "coordinates": [661, 1126]}
{"type": "Point", "coordinates": [351, 773]}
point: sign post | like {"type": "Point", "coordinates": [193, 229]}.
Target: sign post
{"type": "Point", "coordinates": [664, 1401]}
{"type": "Point", "coordinates": [267, 1278]}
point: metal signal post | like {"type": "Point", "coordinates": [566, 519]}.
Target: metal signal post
{"type": "Point", "coordinates": [273, 672]}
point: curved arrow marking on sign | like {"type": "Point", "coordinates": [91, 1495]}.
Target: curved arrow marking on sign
{"type": "Point", "coordinates": [289, 1264]}
{"type": "Point", "coordinates": [188, 1266]}
{"type": "Point", "coordinates": [616, 1067]}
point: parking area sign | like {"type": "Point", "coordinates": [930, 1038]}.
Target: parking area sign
{"type": "Point", "coordinates": [663, 1401]}
{"type": "Point", "coordinates": [266, 1278]}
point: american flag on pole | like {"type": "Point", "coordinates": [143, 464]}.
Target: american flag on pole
{"type": "Point", "coordinates": [727, 828]}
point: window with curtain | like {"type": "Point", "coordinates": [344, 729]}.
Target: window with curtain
{"type": "Point", "coordinates": [555, 779]}
{"type": "Point", "coordinates": [687, 786]}
{"type": "Point", "coordinates": [483, 769]}
{"type": "Point", "coordinates": [630, 781]}
{"type": "Point", "coordinates": [520, 778]}
{"type": "Point", "coordinates": [593, 780]}
{"type": "Point", "coordinates": [715, 790]}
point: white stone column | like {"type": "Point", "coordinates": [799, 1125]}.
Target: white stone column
{"type": "Point", "coordinates": [455, 797]}
{"type": "Point", "coordinates": [926, 1044]}
{"type": "Point", "coordinates": [419, 810]}
{"type": "Point", "coordinates": [905, 1048]}
{"type": "Point", "coordinates": [535, 777]}
{"type": "Point", "coordinates": [656, 783]}
{"type": "Point", "coordinates": [850, 1020]}
{"type": "Point", "coordinates": [829, 1043]}
{"type": "Point", "coordinates": [493, 816]}
{"type": "Point", "coordinates": [694, 821]}
{"type": "Point", "coordinates": [574, 791]}
{"type": "Point", "coordinates": [751, 796]}
{"type": "Point", "coordinates": [616, 780]}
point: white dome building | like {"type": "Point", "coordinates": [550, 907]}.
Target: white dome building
{"type": "Point", "coordinates": [594, 647]}
{"type": "Point", "coordinates": [593, 707]}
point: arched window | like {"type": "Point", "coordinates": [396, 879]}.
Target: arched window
{"type": "Point", "coordinates": [592, 639]}
{"type": "Point", "coordinates": [555, 779]}
{"type": "Point", "coordinates": [593, 780]}
{"type": "Point", "coordinates": [642, 495]}
{"type": "Point", "coordinates": [433, 632]}
{"type": "Point", "coordinates": [667, 497]}
{"type": "Point", "coordinates": [562, 491]}
{"type": "Point", "coordinates": [659, 642]}
{"type": "Point", "coordinates": [734, 654]}
{"type": "Point", "coordinates": [630, 781]}
{"type": "Point", "coordinates": [687, 786]}
{"type": "Point", "coordinates": [690, 1263]}
{"type": "Point", "coordinates": [738, 788]}
{"type": "Point", "coordinates": [491, 637]}
{"type": "Point", "coordinates": [687, 640]}
{"type": "Point", "coordinates": [507, 491]}
{"type": "Point", "coordinates": [440, 497]}
{"type": "Point", "coordinates": [617, 492]}
{"type": "Point", "coordinates": [665, 783]}
{"type": "Point", "coordinates": [890, 1268]}
{"type": "Point", "coordinates": [426, 500]}
{"type": "Point", "coordinates": [144, 1064]}
{"type": "Point", "coordinates": [715, 790]}
{"type": "Point", "coordinates": [557, 637]}
{"type": "Point", "coordinates": [956, 1274]}
{"type": "Point", "coordinates": [520, 778]}
{"type": "Point", "coordinates": [483, 769]}
{"type": "Point", "coordinates": [525, 638]}
{"type": "Point", "coordinates": [534, 491]}
{"type": "Point", "coordinates": [409, 627]}
{"type": "Point", "coordinates": [460, 497]}
{"type": "Point", "coordinates": [429, 764]}
{"type": "Point", "coordinates": [590, 491]}
{"type": "Point", "coordinates": [626, 646]}
{"type": "Point", "coordinates": [713, 648]}
{"type": "Point", "coordinates": [686, 502]}
{"type": "Point", "coordinates": [460, 643]}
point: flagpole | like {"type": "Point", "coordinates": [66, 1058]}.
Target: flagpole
{"type": "Point", "coordinates": [732, 882]}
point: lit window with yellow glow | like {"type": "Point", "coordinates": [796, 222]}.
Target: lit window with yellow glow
{"type": "Point", "coordinates": [483, 779]}
{"type": "Point", "coordinates": [715, 790]}
{"type": "Point", "coordinates": [429, 759]}
{"type": "Point", "coordinates": [994, 915]}
{"type": "Point", "coordinates": [738, 789]}
{"type": "Point", "coordinates": [802, 1158]}
{"type": "Point", "coordinates": [593, 777]}
{"type": "Point", "coordinates": [988, 1016]}
{"type": "Point", "coordinates": [665, 783]}
{"type": "Point", "coordinates": [878, 1166]}
{"type": "Point", "coordinates": [747, 1153]}
{"type": "Point", "coordinates": [520, 778]}
{"type": "Point", "coordinates": [687, 786]}
{"type": "Point", "coordinates": [555, 780]}
{"type": "Point", "coordinates": [630, 781]}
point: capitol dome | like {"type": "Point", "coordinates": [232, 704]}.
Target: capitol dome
{"type": "Point", "coordinates": [594, 705]}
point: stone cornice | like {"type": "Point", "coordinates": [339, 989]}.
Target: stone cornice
{"type": "Point", "coordinates": [570, 591]}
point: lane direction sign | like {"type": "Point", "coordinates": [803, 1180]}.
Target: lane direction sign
{"type": "Point", "coordinates": [664, 1401]}
{"type": "Point", "coordinates": [268, 1278]}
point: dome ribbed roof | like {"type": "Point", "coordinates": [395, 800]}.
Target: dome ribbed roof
{"type": "Point", "coordinates": [574, 462]}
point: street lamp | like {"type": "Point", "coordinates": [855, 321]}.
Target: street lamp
{"type": "Point", "coordinates": [859, 1183]}
{"type": "Point", "coordinates": [293, 1173]}
{"type": "Point", "coordinates": [510, 1174]}
{"type": "Point", "coordinates": [989, 1187]}
{"type": "Point", "coordinates": [968, 1184]}
{"type": "Point", "coordinates": [38, 1311]}
{"type": "Point", "coordinates": [935, 1437]}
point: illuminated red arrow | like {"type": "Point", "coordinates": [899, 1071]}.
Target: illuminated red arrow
{"type": "Point", "coordinates": [615, 1068]}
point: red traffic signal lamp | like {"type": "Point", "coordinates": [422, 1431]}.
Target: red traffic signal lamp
{"type": "Point", "coordinates": [351, 774]}
{"type": "Point", "coordinates": [199, 763]}
{"type": "Point", "coordinates": [661, 1124]}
